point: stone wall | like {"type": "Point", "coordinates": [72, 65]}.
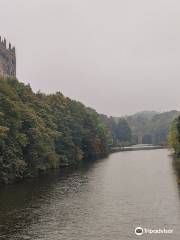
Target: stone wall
{"type": "Point", "coordinates": [7, 59]}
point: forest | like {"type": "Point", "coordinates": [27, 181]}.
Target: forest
{"type": "Point", "coordinates": [40, 132]}
{"type": "Point", "coordinates": [174, 137]}
{"type": "Point", "coordinates": [150, 127]}
{"type": "Point", "coordinates": [174, 143]}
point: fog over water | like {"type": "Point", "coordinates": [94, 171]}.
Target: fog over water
{"type": "Point", "coordinates": [118, 56]}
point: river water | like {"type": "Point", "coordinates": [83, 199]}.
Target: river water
{"type": "Point", "coordinates": [102, 200]}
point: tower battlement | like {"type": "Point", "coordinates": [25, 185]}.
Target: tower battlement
{"type": "Point", "coordinates": [7, 59]}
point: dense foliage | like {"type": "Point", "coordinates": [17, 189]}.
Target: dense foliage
{"type": "Point", "coordinates": [39, 131]}
{"type": "Point", "coordinates": [174, 143]}
{"type": "Point", "coordinates": [119, 130]}
{"type": "Point", "coordinates": [174, 136]}
{"type": "Point", "coordinates": [151, 127]}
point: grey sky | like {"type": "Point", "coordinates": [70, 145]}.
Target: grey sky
{"type": "Point", "coordinates": [117, 56]}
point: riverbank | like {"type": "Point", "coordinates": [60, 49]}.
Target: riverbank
{"type": "Point", "coordinates": [137, 147]}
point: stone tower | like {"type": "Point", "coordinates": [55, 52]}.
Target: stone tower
{"type": "Point", "coordinates": [7, 59]}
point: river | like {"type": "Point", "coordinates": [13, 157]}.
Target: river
{"type": "Point", "coordinates": [102, 200]}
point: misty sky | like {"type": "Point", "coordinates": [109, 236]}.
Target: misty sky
{"type": "Point", "coordinates": [117, 56]}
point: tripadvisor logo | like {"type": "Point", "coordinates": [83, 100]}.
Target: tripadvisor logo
{"type": "Point", "coordinates": [139, 231]}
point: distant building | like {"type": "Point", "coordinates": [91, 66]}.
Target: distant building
{"type": "Point", "coordinates": [7, 59]}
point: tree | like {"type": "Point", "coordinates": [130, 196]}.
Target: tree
{"type": "Point", "coordinates": [123, 131]}
{"type": "Point", "coordinates": [39, 132]}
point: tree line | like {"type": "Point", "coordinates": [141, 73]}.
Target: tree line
{"type": "Point", "coordinates": [149, 127]}
{"type": "Point", "coordinates": [40, 132]}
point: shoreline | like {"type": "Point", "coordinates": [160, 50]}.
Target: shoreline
{"type": "Point", "coordinates": [136, 148]}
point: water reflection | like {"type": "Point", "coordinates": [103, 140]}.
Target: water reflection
{"type": "Point", "coordinates": [100, 200]}
{"type": "Point", "coordinates": [22, 204]}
